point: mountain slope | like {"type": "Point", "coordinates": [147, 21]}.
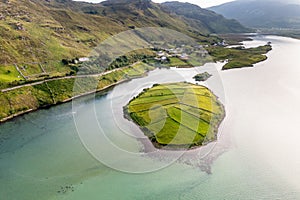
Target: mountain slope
{"type": "Point", "coordinates": [37, 31]}
{"type": "Point", "coordinates": [262, 14]}
{"type": "Point", "coordinates": [143, 13]}
{"type": "Point", "coordinates": [206, 19]}
{"type": "Point", "coordinates": [52, 30]}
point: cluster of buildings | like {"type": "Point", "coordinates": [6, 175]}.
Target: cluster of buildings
{"type": "Point", "coordinates": [222, 44]}
{"type": "Point", "coordinates": [182, 53]}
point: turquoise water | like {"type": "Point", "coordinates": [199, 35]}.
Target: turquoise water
{"type": "Point", "coordinates": [255, 157]}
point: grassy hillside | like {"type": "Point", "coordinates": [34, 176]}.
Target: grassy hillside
{"type": "Point", "coordinates": [42, 40]}
{"type": "Point", "coordinates": [40, 30]}
{"type": "Point", "coordinates": [34, 31]}
{"type": "Point", "coordinates": [51, 92]}
{"type": "Point", "coordinates": [36, 35]}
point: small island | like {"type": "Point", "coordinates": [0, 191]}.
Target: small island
{"type": "Point", "coordinates": [177, 115]}
{"type": "Point", "coordinates": [202, 77]}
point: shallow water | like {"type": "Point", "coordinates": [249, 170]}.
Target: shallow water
{"type": "Point", "coordinates": [255, 157]}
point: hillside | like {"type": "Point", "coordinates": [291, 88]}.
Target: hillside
{"type": "Point", "coordinates": [50, 30]}
{"type": "Point", "coordinates": [262, 14]}
{"type": "Point", "coordinates": [43, 43]}
{"type": "Point", "coordinates": [205, 19]}
{"type": "Point", "coordinates": [38, 31]}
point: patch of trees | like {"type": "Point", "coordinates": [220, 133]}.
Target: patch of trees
{"type": "Point", "coordinates": [125, 60]}
{"type": "Point", "coordinates": [70, 61]}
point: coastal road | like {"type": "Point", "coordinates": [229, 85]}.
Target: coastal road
{"type": "Point", "coordinates": [66, 77]}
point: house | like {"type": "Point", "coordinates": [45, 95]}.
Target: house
{"type": "Point", "coordinates": [184, 56]}
{"type": "Point", "coordinates": [83, 59]}
{"type": "Point", "coordinates": [160, 54]}
{"type": "Point", "coordinates": [164, 58]}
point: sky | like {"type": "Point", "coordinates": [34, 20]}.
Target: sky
{"type": "Point", "coordinates": [202, 3]}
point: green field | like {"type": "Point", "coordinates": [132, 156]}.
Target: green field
{"type": "Point", "coordinates": [177, 115]}
{"type": "Point", "coordinates": [9, 74]}
{"type": "Point", "coordinates": [31, 69]}
{"type": "Point", "coordinates": [177, 62]}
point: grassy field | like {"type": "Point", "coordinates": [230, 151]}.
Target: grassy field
{"type": "Point", "coordinates": [177, 62]}
{"type": "Point", "coordinates": [9, 74]}
{"type": "Point", "coordinates": [31, 69]}
{"type": "Point", "coordinates": [177, 115]}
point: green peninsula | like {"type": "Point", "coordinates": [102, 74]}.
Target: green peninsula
{"type": "Point", "coordinates": [177, 115]}
{"type": "Point", "coordinates": [239, 57]}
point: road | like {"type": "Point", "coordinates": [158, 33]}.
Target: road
{"type": "Point", "coordinates": [66, 77]}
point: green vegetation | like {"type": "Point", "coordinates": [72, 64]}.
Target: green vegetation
{"type": "Point", "coordinates": [42, 42]}
{"type": "Point", "coordinates": [132, 57]}
{"type": "Point", "coordinates": [239, 57]}
{"type": "Point", "coordinates": [43, 31]}
{"type": "Point", "coordinates": [177, 62]}
{"type": "Point", "coordinates": [202, 77]}
{"type": "Point", "coordinates": [31, 69]}
{"type": "Point", "coordinates": [235, 38]}
{"type": "Point", "coordinates": [9, 74]}
{"type": "Point", "coordinates": [31, 97]}
{"type": "Point", "coordinates": [177, 115]}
